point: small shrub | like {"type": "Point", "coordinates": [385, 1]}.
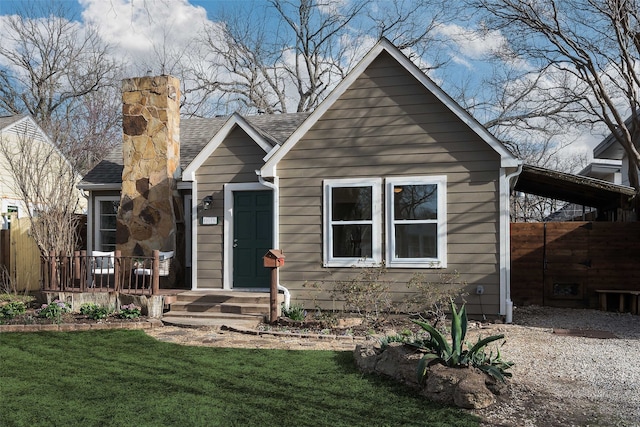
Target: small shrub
{"type": "Point", "coordinates": [328, 318]}
{"type": "Point", "coordinates": [12, 309]}
{"type": "Point", "coordinates": [129, 311]}
{"type": "Point", "coordinates": [295, 312]}
{"type": "Point", "coordinates": [54, 310]}
{"type": "Point", "coordinates": [366, 293]}
{"type": "Point", "coordinates": [94, 311]}
{"type": "Point", "coordinates": [429, 298]}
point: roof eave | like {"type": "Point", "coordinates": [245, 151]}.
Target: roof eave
{"type": "Point", "coordinates": [91, 186]}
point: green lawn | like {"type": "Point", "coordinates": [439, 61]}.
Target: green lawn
{"type": "Point", "coordinates": [125, 378]}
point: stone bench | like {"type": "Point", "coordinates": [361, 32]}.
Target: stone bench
{"type": "Point", "coordinates": [604, 293]}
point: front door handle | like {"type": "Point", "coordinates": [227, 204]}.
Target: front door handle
{"type": "Point", "coordinates": [235, 243]}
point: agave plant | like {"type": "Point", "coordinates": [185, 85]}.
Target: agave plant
{"type": "Point", "coordinates": [454, 355]}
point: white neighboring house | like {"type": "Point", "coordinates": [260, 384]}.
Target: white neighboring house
{"type": "Point", "coordinates": [16, 129]}
{"type": "Point", "coordinates": [610, 159]}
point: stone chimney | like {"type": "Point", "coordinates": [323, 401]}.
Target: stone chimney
{"type": "Point", "coordinates": [149, 205]}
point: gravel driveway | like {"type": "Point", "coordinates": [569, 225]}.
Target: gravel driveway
{"type": "Point", "coordinates": [565, 380]}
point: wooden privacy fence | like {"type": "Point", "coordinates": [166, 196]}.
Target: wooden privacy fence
{"type": "Point", "coordinates": [562, 264]}
{"type": "Point", "coordinates": [20, 255]}
{"type": "Point", "coordinates": [102, 273]}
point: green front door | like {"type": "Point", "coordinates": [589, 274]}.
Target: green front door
{"type": "Point", "coordinates": [252, 238]}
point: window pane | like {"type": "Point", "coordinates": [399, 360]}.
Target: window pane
{"type": "Point", "coordinates": [415, 201]}
{"type": "Point", "coordinates": [108, 222]}
{"type": "Point", "coordinates": [109, 207]}
{"type": "Point", "coordinates": [351, 203]}
{"type": "Point", "coordinates": [352, 241]}
{"type": "Point", "coordinates": [416, 240]}
{"type": "Point", "coordinates": [107, 241]}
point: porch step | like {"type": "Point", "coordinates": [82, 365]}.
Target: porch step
{"type": "Point", "coordinates": [242, 322]}
{"type": "Point", "coordinates": [218, 308]}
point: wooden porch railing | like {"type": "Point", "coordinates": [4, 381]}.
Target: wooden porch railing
{"type": "Point", "coordinates": [84, 272]}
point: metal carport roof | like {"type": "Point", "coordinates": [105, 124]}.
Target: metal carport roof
{"type": "Point", "coordinates": [577, 189]}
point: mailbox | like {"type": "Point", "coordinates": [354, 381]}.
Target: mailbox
{"type": "Point", "coordinates": [274, 258]}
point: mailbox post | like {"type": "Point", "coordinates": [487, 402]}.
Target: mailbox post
{"type": "Point", "coordinates": [273, 259]}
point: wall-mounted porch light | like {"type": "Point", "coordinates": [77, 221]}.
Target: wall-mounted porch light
{"type": "Point", "coordinates": [207, 202]}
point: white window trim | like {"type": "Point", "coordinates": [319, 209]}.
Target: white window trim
{"type": "Point", "coordinates": [441, 260]}
{"type": "Point", "coordinates": [96, 223]}
{"type": "Point", "coordinates": [376, 221]}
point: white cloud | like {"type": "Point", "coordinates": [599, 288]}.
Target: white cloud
{"type": "Point", "coordinates": [136, 27]}
{"type": "Point", "coordinates": [472, 43]}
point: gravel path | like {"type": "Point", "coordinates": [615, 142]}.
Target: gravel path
{"type": "Point", "coordinates": [558, 379]}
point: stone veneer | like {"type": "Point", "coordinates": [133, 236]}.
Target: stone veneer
{"type": "Point", "coordinates": [149, 205]}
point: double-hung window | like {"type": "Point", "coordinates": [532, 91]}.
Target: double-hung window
{"type": "Point", "coordinates": [416, 222]}
{"type": "Point", "coordinates": [352, 222]}
{"type": "Point", "coordinates": [106, 209]}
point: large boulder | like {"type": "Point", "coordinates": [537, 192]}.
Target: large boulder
{"type": "Point", "coordinates": [400, 362]}
{"type": "Point", "coordinates": [366, 358]}
{"type": "Point", "coordinates": [471, 392]}
{"type": "Point", "coordinates": [441, 382]}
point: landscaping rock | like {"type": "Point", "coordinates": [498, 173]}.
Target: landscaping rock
{"type": "Point", "coordinates": [366, 358]}
{"type": "Point", "coordinates": [400, 362]}
{"type": "Point", "coordinates": [441, 383]}
{"type": "Point", "coordinates": [472, 393]}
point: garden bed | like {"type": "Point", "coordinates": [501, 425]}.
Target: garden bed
{"type": "Point", "coordinates": [30, 317]}
{"type": "Point", "coordinates": [24, 314]}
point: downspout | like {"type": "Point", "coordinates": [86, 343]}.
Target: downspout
{"type": "Point", "coordinates": [276, 228]}
{"type": "Point", "coordinates": [507, 232]}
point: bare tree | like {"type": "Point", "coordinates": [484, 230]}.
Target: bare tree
{"type": "Point", "coordinates": [288, 55]}
{"type": "Point", "coordinates": [60, 73]}
{"type": "Point", "coordinates": [288, 64]}
{"type": "Point", "coordinates": [413, 26]}
{"type": "Point", "coordinates": [595, 44]}
{"type": "Point", "coordinates": [45, 183]}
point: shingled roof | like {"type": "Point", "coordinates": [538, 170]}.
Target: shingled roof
{"type": "Point", "coordinates": [195, 133]}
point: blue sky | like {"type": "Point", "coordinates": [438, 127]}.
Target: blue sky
{"type": "Point", "coordinates": [135, 28]}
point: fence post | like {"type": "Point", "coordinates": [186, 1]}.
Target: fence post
{"type": "Point", "coordinates": [53, 275]}
{"type": "Point", "coordinates": [44, 271]}
{"type": "Point", "coordinates": [82, 270]}
{"type": "Point", "coordinates": [64, 271]}
{"type": "Point", "coordinates": [117, 256]}
{"type": "Point", "coordinates": [155, 271]}
{"type": "Point", "coordinates": [76, 270]}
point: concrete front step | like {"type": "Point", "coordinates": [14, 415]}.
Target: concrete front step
{"type": "Point", "coordinates": [218, 297]}
{"type": "Point", "coordinates": [237, 307]}
{"type": "Point", "coordinates": [216, 308]}
{"type": "Point", "coordinates": [212, 322]}
{"type": "Point", "coordinates": [212, 315]}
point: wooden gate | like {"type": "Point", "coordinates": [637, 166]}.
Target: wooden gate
{"type": "Point", "coordinates": [561, 264]}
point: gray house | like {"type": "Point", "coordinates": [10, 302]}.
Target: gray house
{"type": "Point", "coordinates": [387, 170]}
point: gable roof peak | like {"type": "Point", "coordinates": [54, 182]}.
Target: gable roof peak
{"type": "Point", "coordinates": [384, 45]}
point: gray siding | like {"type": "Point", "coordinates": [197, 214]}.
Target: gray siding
{"type": "Point", "coordinates": [234, 161]}
{"type": "Point", "coordinates": [386, 125]}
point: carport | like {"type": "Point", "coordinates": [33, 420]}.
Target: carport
{"type": "Point", "coordinates": [569, 264]}
{"type": "Point", "coordinates": [611, 200]}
